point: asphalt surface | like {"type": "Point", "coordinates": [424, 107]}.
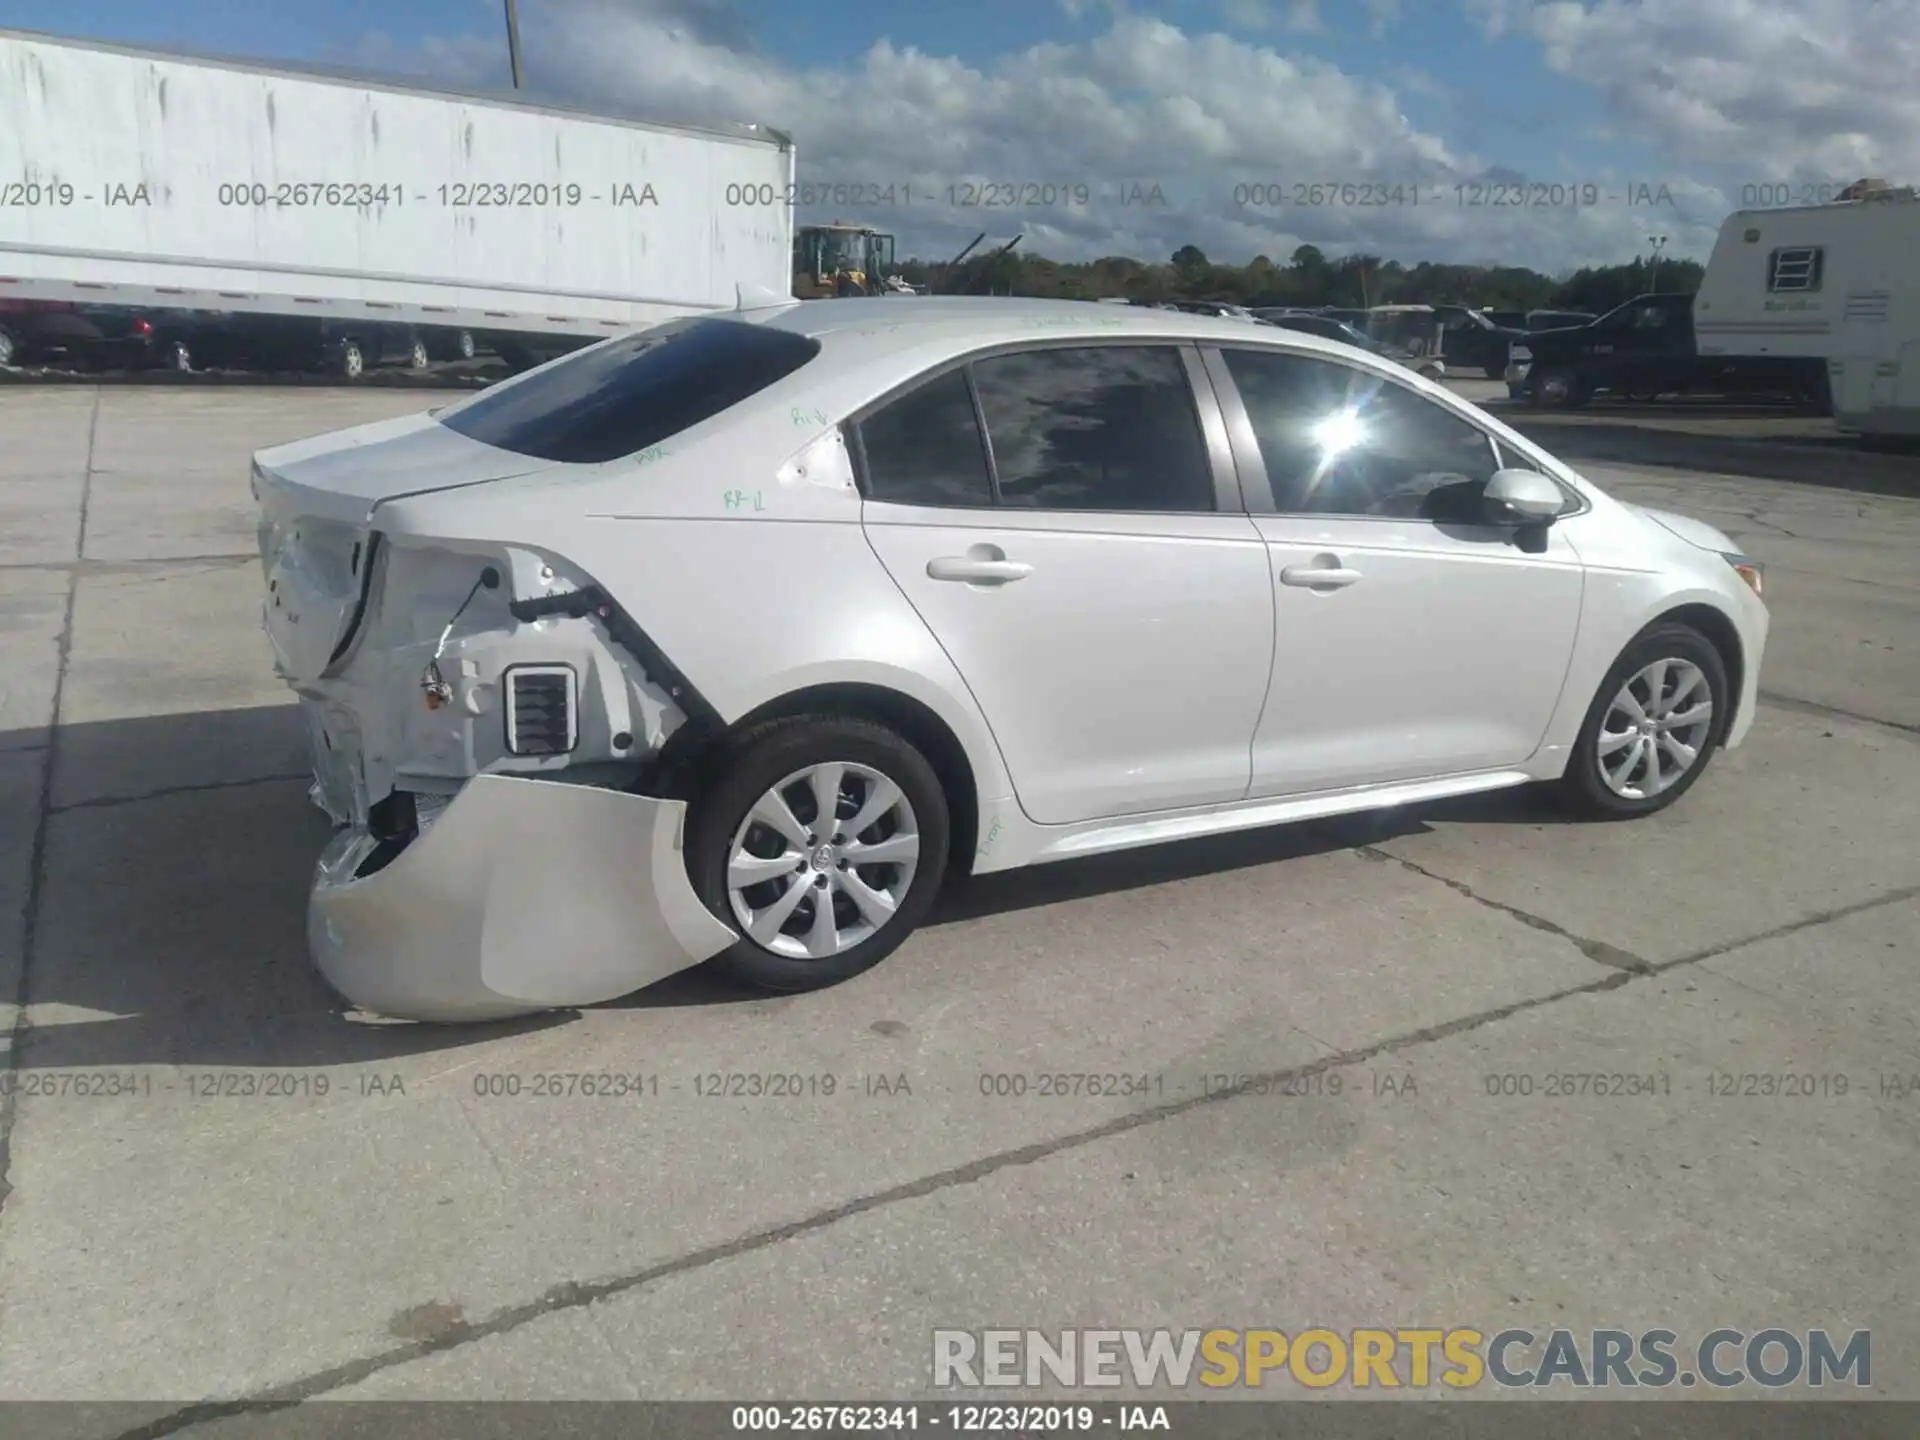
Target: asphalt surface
{"type": "Point", "coordinates": [218, 1188]}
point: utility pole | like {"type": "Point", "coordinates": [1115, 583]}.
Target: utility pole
{"type": "Point", "coordinates": [1659, 243]}
{"type": "Point", "coordinates": [513, 42]}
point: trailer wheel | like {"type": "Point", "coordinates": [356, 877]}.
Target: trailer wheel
{"type": "Point", "coordinates": [353, 361]}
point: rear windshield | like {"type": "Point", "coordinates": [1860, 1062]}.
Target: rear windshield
{"type": "Point", "coordinates": [616, 398]}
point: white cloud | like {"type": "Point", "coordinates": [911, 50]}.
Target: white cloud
{"type": "Point", "coordinates": [1744, 91]}
{"type": "Point", "coordinates": [1382, 16]}
{"type": "Point", "coordinates": [1717, 86]}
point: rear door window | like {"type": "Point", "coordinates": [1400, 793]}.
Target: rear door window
{"type": "Point", "coordinates": [619, 397]}
{"type": "Point", "coordinates": [924, 448]}
{"type": "Point", "coordinates": [1103, 428]}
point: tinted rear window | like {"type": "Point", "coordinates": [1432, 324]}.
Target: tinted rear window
{"type": "Point", "coordinates": [620, 397]}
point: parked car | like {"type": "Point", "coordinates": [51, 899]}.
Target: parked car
{"type": "Point", "coordinates": [43, 332]}
{"type": "Point", "coordinates": [1559, 319]}
{"type": "Point", "coordinates": [1648, 348]}
{"type": "Point", "coordinates": [1356, 318]}
{"type": "Point", "coordinates": [1327, 328]}
{"type": "Point", "coordinates": [1520, 353]}
{"type": "Point", "coordinates": [1061, 574]}
{"type": "Point", "coordinates": [451, 342]}
{"type": "Point", "coordinates": [131, 338]}
{"type": "Point", "coordinates": [1475, 341]}
{"type": "Point", "coordinates": [523, 351]}
{"type": "Point", "coordinates": [1220, 308]}
{"type": "Point", "coordinates": [346, 348]}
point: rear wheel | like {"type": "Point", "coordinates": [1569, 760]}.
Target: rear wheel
{"type": "Point", "coordinates": [179, 357]}
{"type": "Point", "coordinates": [1652, 729]}
{"type": "Point", "coordinates": [417, 357]}
{"type": "Point", "coordinates": [463, 345]}
{"type": "Point", "coordinates": [9, 348]}
{"type": "Point", "coordinates": [353, 360]}
{"type": "Point", "coordinates": [822, 841]}
{"type": "Point", "coordinates": [1557, 390]}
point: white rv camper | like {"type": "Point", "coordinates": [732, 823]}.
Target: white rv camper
{"type": "Point", "coordinates": [1835, 282]}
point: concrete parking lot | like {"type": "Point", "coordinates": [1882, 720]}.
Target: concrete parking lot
{"type": "Point", "coordinates": [217, 1186]}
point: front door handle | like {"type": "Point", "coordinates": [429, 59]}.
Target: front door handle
{"type": "Point", "coordinates": [975, 571]}
{"type": "Point", "coordinates": [1326, 573]}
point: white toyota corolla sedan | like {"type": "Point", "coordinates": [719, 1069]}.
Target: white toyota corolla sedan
{"type": "Point", "coordinates": [728, 638]}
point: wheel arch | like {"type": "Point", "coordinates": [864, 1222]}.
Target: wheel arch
{"type": "Point", "coordinates": [1720, 632]}
{"type": "Point", "coordinates": [682, 768]}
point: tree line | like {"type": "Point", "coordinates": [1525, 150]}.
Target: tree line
{"type": "Point", "coordinates": [1309, 277]}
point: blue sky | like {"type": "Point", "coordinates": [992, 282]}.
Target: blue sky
{"type": "Point", "coordinates": [1704, 97]}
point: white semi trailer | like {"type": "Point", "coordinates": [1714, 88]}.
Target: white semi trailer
{"type": "Point", "coordinates": [156, 179]}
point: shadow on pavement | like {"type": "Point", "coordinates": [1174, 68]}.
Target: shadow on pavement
{"type": "Point", "coordinates": [168, 925]}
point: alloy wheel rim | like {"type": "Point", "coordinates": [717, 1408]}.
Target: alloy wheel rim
{"type": "Point", "coordinates": [823, 860]}
{"type": "Point", "coordinates": [1655, 729]}
{"type": "Point", "coordinates": [354, 362]}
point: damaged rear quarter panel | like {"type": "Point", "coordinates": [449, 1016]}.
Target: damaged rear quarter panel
{"type": "Point", "coordinates": [753, 574]}
{"type": "Point", "coordinates": [428, 597]}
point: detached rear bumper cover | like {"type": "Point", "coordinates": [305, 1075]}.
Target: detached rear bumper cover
{"type": "Point", "coordinates": [524, 895]}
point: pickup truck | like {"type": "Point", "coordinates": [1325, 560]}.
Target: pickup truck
{"type": "Point", "coordinates": [1644, 349]}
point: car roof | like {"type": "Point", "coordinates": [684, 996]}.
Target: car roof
{"type": "Point", "coordinates": [903, 322]}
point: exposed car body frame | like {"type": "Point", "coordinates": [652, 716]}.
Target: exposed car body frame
{"type": "Point", "coordinates": [386, 534]}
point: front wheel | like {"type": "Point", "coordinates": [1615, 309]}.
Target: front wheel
{"type": "Point", "coordinates": [821, 840]}
{"type": "Point", "coordinates": [1652, 729]}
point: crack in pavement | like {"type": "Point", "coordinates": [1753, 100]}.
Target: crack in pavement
{"type": "Point", "coordinates": [104, 802]}
{"type": "Point", "coordinates": [1598, 951]}
{"type": "Point", "coordinates": [109, 567]}
{"type": "Point", "coordinates": [577, 1294]}
{"type": "Point", "coordinates": [18, 1032]}
{"type": "Point", "coordinates": [1814, 707]}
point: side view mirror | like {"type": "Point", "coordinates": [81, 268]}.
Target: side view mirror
{"type": "Point", "coordinates": [1522, 497]}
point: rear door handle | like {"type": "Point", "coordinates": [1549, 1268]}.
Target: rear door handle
{"type": "Point", "coordinates": [977, 572]}
{"type": "Point", "coordinates": [1320, 575]}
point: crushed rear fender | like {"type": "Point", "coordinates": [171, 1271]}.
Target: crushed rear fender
{"type": "Point", "coordinates": [524, 895]}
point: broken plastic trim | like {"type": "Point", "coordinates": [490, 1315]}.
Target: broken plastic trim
{"type": "Point", "coordinates": [621, 629]}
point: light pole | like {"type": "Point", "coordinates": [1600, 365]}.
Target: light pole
{"type": "Point", "coordinates": [1659, 243]}
{"type": "Point", "coordinates": [513, 42]}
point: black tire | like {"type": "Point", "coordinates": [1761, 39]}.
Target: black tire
{"type": "Point", "coordinates": [1581, 787]}
{"type": "Point", "coordinates": [752, 763]}
{"type": "Point", "coordinates": [1556, 389]}
{"type": "Point", "coordinates": [417, 357]}
{"type": "Point", "coordinates": [9, 348]}
{"type": "Point", "coordinates": [1494, 372]}
{"type": "Point", "coordinates": [353, 360]}
{"type": "Point", "coordinates": [463, 346]}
